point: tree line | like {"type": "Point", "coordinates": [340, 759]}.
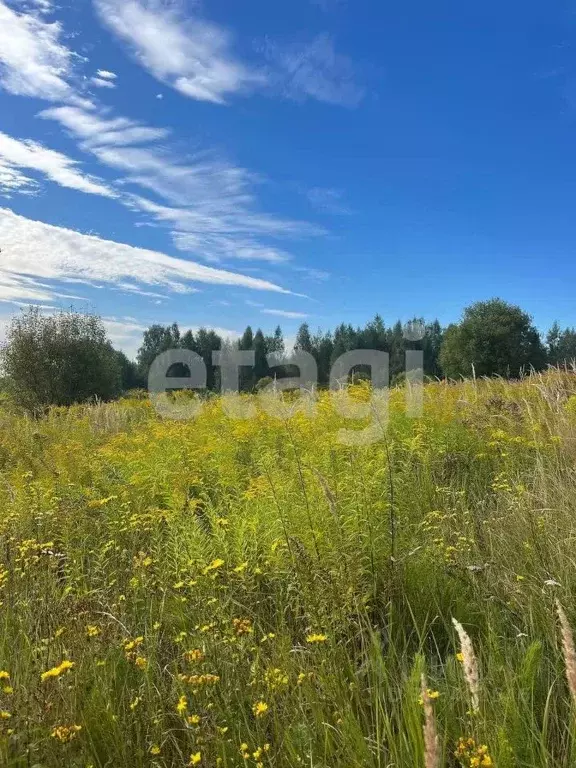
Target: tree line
{"type": "Point", "coordinates": [492, 338]}
{"type": "Point", "coordinates": [67, 358]}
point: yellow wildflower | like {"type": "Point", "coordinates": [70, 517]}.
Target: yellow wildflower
{"type": "Point", "coordinates": [431, 695]}
{"type": "Point", "coordinates": [242, 626]}
{"type": "Point", "coordinates": [195, 655]}
{"type": "Point", "coordinates": [317, 638]}
{"type": "Point", "coordinates": [260, 708]}
{"type": "Point", "coordinates": [196, 759]}
{"type": "Point", "coordinates": [66, 733]}
{"type": "Point", "coordinates": [57, 671]}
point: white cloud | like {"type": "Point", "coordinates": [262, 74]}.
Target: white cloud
{"type": "Point", "coordinates": [15, 153]}
{"type": "Point", "coordinates": [125, 333]}
{"type": "Point", "coordinates": [315, 70]}
{"type": "Point", "coordinates": [315, 274]}
{"type": "Point", "coordinates": [284, 313]}
{"type": "Point", "coordinates": [33, 61]}
{"type": "Point", "coordinates": [13, 180]}
{"type": "Point", "coordinates": [211, 210]}
{"type": "Point", "coordinates": [131, 288]}
{"type": "Point", "coordinates": [95, 128]}
{"type": "Point", "coordinates": [191, 55]}
{"type": "Point", "coordinates": [33, 251]}
{"type": "Point", "coordinates": [100, 82]}
{"type": "Point", "coordinates": [105, 74]}
{"type": "Point", "coordinates": [39, 6]}
{"type": "Point", "coordinates": [17, 287]}
{"type": "Point", "coordinates": [215, 248]}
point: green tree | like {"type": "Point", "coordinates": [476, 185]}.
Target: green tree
{"type": "Point", "coordinates": [561, 345]}
{"type": "Point", "coordinates": [275, 344]}
{"type": "Point", "coordinates": [493, 338]}
{"type": "Point", "coordinates": [260, 362]}
{"type": "Point", "coordinates": [157, 339]}
{"type": "Point", "coordinates": [207, 342]}
{"type": "Point", "coordinates": [59, 359]}
{"type": "Point", "coordinates": [303, 339]}
{"type": "Point", "coordinates": [246, 344]}
{"type": "Point", "coordinates": [129, 374]}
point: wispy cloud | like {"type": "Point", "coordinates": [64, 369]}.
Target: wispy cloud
{"type": "Point", "coordinates": [33, 60]}
{"type": "Point", "coordinates": [13, 180]}
{"type": "Point", "coordinates": [105, 74]}
{"type": "Point", "coordinates": [33, 251]}
{"type": "Point", "coordinates": [328, 200]}
{"type": "Point", "coordinates": [285, 313]}
{"type": "Point", "coordinates": [97, 129]}
{"type": "Point", "coordinates": [315, 70]}
{"type": "Point", "coordinates": [125, 333]}
{"type": "Point", "coordinates": [191, 55]}
{"type": "Point", "coordinates": [216, 248]}
{"type": "Point", "coordinates": [16, 288]}
{"type": "Point", "coordinates": [101, 82]}
{"type": "Point", "coordinates": [320, 275]}
{"type": "Point", "coordinates": [210, 203]}
{"type": "Point", "coordinates": [17, 154]}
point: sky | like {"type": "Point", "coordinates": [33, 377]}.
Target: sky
{"type": "Point", "coordinates": [220, 163]}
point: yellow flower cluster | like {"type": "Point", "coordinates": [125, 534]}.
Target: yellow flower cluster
{"type": "Point", "coordinates": [194, 656]}
{"type": "Point", "coordinates": [65, 733]}
{"type": "Point", "coordinates": [198, 681]}
{"type": "Point", "coordinates": [316, 638]}
{"type": "Point", "coordinates": [257, 754]}
{"type": "Point", "coordinates": [242, 626]}
{"type": "Point", "coordinates": [471, 755]}
{"type": "Point", "coordinates": [276, 678]}
{"type": "Point", "coordinates": [133, 654]}
{"type": "Point", "coordinates": [56, 672]}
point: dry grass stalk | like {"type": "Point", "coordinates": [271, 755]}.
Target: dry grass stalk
{"type": "Point", "coordinates": [431, 741]}
{"type": "Point", "coordinates": [469, 664]}
{"type": "Point", "coordinates": [568, 651]}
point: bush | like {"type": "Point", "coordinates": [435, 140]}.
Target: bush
{"type": "Point", "coordinates": [58, 359]}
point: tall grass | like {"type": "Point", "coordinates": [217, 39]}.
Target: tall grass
{"type": "Point", "coordinates": [253, 593]}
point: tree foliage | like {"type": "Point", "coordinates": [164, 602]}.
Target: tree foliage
{"type": "Point", "coordinates": [59, 359]}
{"type": "Point", "coordinates": [493, 338]}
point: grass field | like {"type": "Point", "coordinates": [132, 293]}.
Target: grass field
{"type": "Point", "coordinates": [254, 593]}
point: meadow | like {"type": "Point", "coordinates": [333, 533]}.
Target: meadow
{"type": "Point", "coordinates": [253, 593]}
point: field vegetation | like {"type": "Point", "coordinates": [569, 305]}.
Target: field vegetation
{"type": "Point", "coordinates": [253, 593]}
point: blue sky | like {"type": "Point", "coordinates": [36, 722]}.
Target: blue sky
{"type": "Point", "coordinates": [225, 163]}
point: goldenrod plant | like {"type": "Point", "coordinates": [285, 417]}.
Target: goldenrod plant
{"type": "Point", "coordinates": [255, 593]}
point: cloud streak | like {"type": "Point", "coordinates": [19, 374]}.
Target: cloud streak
{"type": "Point", "coordinates": [33, 61]}
{"type": "Point", "coordinates": [16, 154]}
{"type": "Point", "coordinates": [209, 203]}
{"type": "Point", "coordinates": [315, 71]}
{"type": "Point", "coordinates": [191, 55]}
{"type": "Point", "coordinates": [285, 313]}
{"type": "Point", "coordinates": [33, 251]}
